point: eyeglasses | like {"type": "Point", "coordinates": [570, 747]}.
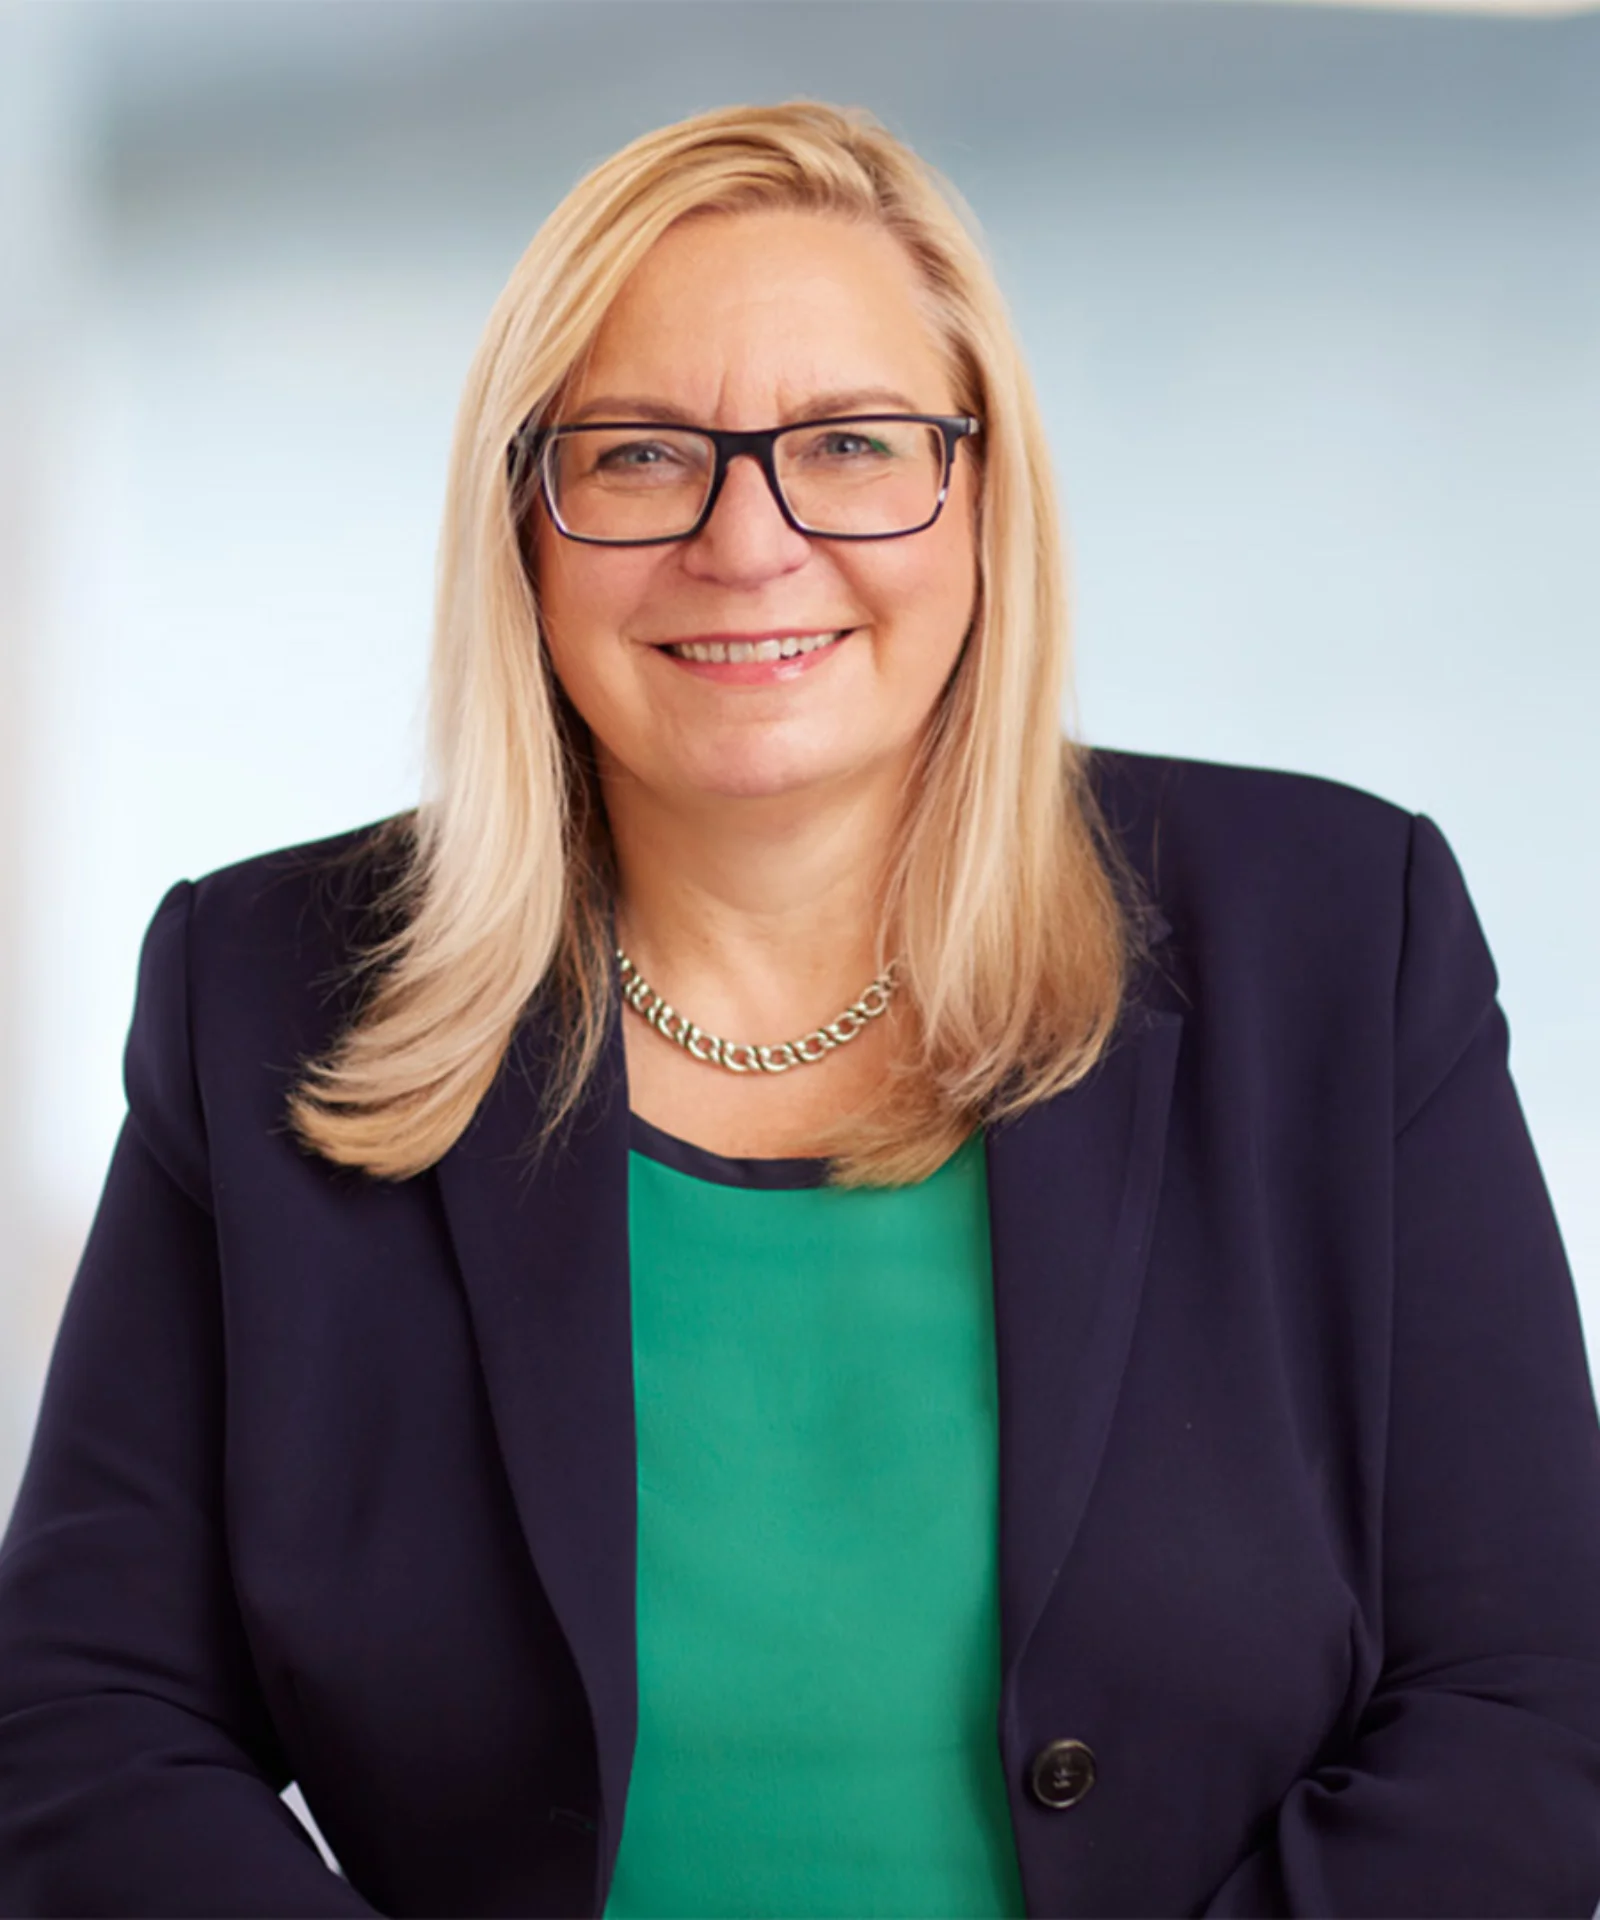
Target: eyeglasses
{"type": "Point", "coordinates": [639, 484]}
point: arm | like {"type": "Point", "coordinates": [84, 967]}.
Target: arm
{"type": "Point", "coordinates": [1473, 1786]}
{"type": "Point", "coordinates": [139, 1770]}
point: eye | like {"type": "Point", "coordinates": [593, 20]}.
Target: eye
{"type": "Point", "coordinates": [842, 447]}
{"type": "Point", "coordinates": [635, 453]}
{"type": "Point", "coordinates": [843, 442]}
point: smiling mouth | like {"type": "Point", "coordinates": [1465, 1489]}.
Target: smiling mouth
{"type": "Point", "coordinates": [731, 652]}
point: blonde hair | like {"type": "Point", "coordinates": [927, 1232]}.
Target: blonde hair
{"type": "Point", "coordinates": [1003, 904]}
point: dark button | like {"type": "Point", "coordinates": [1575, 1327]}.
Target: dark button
{"type": "Point", "coordinates": [1062, 1773]}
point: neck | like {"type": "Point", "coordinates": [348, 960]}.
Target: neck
{"type": "Point", "coordinates": [760, 913]}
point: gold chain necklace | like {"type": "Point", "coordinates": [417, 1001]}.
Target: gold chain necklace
{"type": "Point", "coordinates": [740, 1056]}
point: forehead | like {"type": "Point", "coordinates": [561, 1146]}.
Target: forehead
{"type": "Point", "coordinates": [730, 313]}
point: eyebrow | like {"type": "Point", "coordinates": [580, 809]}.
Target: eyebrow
{"type": "Point", "coordinates": [633, 406]}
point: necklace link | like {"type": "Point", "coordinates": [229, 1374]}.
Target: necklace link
{"type": "Point", "coordinates": [743, 1056]}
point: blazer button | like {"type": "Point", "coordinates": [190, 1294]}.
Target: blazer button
{"type": "Point", "coordinates": [1062, 1773]}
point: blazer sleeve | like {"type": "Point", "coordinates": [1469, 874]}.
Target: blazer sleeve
{"type": "Point", "coordinates": [139, 1769]}
{"type": "Point", "coordinates": [1472, 1785]}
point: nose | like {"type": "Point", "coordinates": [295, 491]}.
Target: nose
{"type": "Point", "coordinates": [747, 538]}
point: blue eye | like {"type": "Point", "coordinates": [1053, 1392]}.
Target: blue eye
{"type": "Point", "coordinates": [844, 443]}
{"type": "Point", "coordinates": [635, 453]}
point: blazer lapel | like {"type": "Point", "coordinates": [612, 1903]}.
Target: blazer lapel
{"type": "Point", "coordinates": [543, 1250]}
{"type": "Point", "coordinates": [1073, 1185]}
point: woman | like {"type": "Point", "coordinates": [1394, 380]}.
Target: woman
{"type": "Point", "coordinates": [1053, 1387]}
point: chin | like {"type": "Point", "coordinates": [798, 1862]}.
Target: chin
{"type": "Point", "coordinates": [756, 784]}
{"type": "Point", "coordinates": [767, 776]}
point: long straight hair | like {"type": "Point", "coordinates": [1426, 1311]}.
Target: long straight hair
{"type": "Point", "coordinates": [1005, 906]}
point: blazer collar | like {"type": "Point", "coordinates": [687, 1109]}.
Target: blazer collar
{"type": "Point", "coordinates": [543, 1250]}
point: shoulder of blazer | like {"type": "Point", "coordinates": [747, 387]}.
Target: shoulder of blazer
{"type": "Point", "coordinates": [1284, 894]}
{"type": "Point", "coordinates": [244, 975]}
{"type": "Point", "coordinates": [1212, 840]}
{"type": "Point", "coordinates": [323, 902]}
{"type": "Point", "coordinates": [273, 951]}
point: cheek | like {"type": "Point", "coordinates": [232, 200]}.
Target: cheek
{"type": "Point", "coordinates": [951, 562]}
{"type": "Point", "coordinates": [582, 606]}
{"type": "Point", "coordinates": [555, 589]}
{"type": "Point", "coordinates": [929, 578]}
{"type": "Point", "coordinates": [566, 622]}
{"type": "Point", "coordinates": [944, 586]}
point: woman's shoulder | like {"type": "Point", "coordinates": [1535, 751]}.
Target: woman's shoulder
{"type": "Point", "coordinates": [1251, 804]}
{"type": "Point", "coordinates": [332, 896]}
{"type": "Point", "coordinates": [1232, 817]}
{"type": "Point", "coordinates": [1304, 912]}
{"type": "Point", "coordinates": [245, 973]}
{"type": "Point", "coordinates": [268, 951]}
{"type": "Point", "coordinates": [1240, 856]}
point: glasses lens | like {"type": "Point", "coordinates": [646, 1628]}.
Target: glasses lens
{"type": "Point", "coordinates": [862, 477]}
{"type": "Point", "coordinates": [628, 483]}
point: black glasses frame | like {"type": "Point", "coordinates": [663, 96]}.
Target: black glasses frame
{"type": "Point", "coordinates": [534, 444]}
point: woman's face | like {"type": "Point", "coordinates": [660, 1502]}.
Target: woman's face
{"type": "Point", "coordinates": [744, 321]}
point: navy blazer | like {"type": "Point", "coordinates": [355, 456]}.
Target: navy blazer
{"type": "Point", "coordinates": [1299, 1464]}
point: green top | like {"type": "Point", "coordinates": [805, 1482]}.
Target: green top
{"type": "Point", "coordinates": [818, 1609]}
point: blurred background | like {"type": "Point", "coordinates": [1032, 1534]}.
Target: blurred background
{"type": "Point", "coordinates": [1312, 295]}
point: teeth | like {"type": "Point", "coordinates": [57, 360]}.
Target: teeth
{"type": "Point", "coordinates": [714, 652]}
